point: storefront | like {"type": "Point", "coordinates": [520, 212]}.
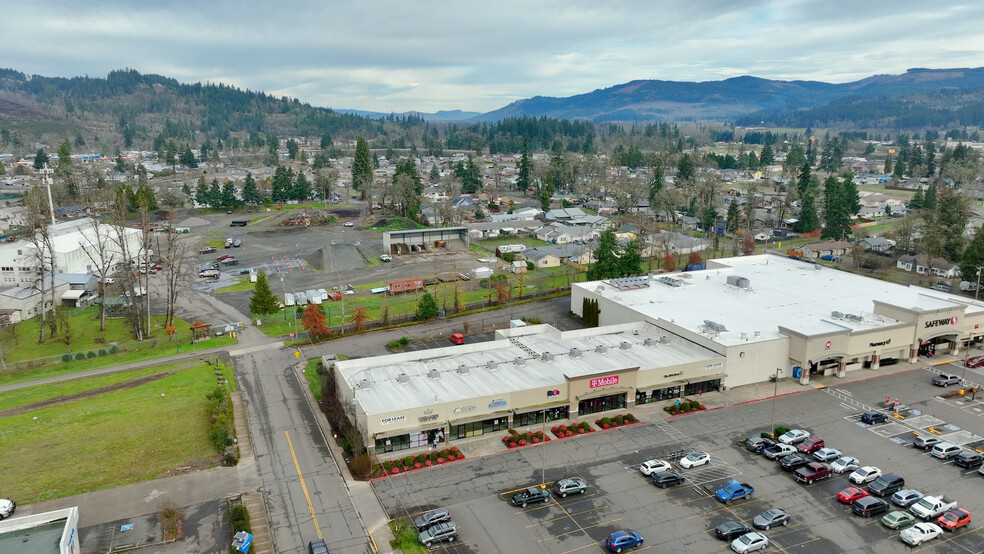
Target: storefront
{"type": "Point", "coordinates": [601, 404]}
{"type": "Point", "coordinates": [478, 427]}
{"type": "Point", "coordinates": [407, 441]}
{"type": "Point", "coordinates": [543, 415]}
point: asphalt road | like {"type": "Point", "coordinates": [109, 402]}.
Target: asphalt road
{"type": "Point", "coordinates": [288, 444]}
{"type": "Point", "coordinates": [680, 519]}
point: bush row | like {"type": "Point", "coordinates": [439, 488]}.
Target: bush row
{"type": "Point", "coordinates": [617, 421]}
{"type": "Point", "coordinates": [515, 439]}
{"type": "Point", "coordinates": [221, 431]}
{"type": "Point", "coordinates": [564, 431]}
{"type": "Point", "coordinates": [685, 406]}
{"type": "Point", "coordinates": [420, 461]}
{"type": "Point", "coordinates": [90, 354]}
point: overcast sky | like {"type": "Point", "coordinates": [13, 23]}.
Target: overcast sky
{"type": "Point", "coordinates": [478, 56]}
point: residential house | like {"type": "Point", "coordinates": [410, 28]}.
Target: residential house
{"type": "Point", "coordinates": [430, 215]}
{"type": "Point", "coordinates": [554, 255]}
{"type": "Point", "coordinates": [878, 244]}
{"type": "Point", "coordinates": [830, 248]}
{"type": "Point", "coordinates": [72, 212]}
{"type": "Point", "coordinates": [564, 214]}
{"type": "Point", "coordinates": [923, 265]}
{"type": "Point", "coordinates": [565, 234]}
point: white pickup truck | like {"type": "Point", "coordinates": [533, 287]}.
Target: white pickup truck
{"type": "Point", "coordinates": [931, 507]}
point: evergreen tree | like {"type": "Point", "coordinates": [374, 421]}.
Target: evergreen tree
{"type": "Point", "coordinates": [250, 193]}
{"type": "Point", "coordinates": [201, 192]}
{"type": "Point", "coordinates": [40, 159]}
{"type": "Point", "coordinates": [426, 307]}
{"type": "Point", "coordinates": [708, 218]}
{"type": "Point", "coordinates": [768, 157]}
{"type": "Point", "coordinates": [145, 194]}
{"type": "Point", "coordinates": [687, 168]}
{"type": "Point", "coordinates": [733, 222]}
{"type": "Point", "coordinates": [888, 164]}
{"type": "Point", "coordinates": [930, 201]}
{"type": "Point", "coordinates": [467, 171]}
{"type": "Point", "coordinates": [630, 260]}
{"type": "Point", "coordinates": [263, 301]}
{"type": "Point", "coordinates": [214, 195]}
{"type": "Point", "coordinates": [326, 141]}
{"type": "Point", "coordinates": [806, 183]}
{"type": "Point", "coordinates": [302, 188]}
{"type": "Point", "coordinates": [187, 158]}
{"type": "Point", "coordinates": [918, 200]}
{"type": "Point", "coordinates": [524, 179]}
{"type": "Point", "coordinates": [185, 189]}
{"type": "Point", "coordinates": [228, 196]}
{"type": "Point", "coordinates": [293, 149]}
{"type": "Point", "coordinates": [899, 169]}
{"type": "Point", "coordinates": [282, 184]}
{"type": "Point", "coordinates": [608, 263]}
{"type": "Point", "coordinates": [362, 168]}
{"type": "Point", "coordinates": [64, 168]}
{"type": "Point", "coordinates": [656, 183]}
{"type": "Point", "coordinates": [973, 257]}
{"type": "Point", "coordinates": [435, 175]}
{"type": "Point", "coordinates": [119, 166]}
{"type": "Point", "coordinates": [930, 159]}
{"type": "Point", "coordinates": [808, 220]}
{"type": "Point", "coordinates": [836, 208]}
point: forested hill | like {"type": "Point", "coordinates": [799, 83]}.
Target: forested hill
{"type": "Point", "coordinates": [731, 99]}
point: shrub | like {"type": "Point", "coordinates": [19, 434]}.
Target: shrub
{"type": "Point", "coordinates": [66, 357]}
{"type": "Point", "coordinates": [432, 456]}
{"type": "Point", "coordinates": [388, 465]}
{"type": "Point", "coordinates": [361, 465]}
{"type": "Point", "coordinates": [604, 420]}
{"type": "Point", "coordinates": [631, 418]}
{"type": "Point", "coordinates": [80, 356]}
{"type": "Point", "coordinates": [441, 460]}
{"type": "Point", "coordinates": [619, 419]}
{"type": "Point", "coordinates": [408, 461]}
{"type": "Point", "coordinates": [393, 345]}
{"type": "Point", "coordinates": [395, 470]}
{"type": "Point", "coordinates": [404, 341]}
{"type": "Point", "coordinates": [238, 518]}
{"type": "Point", "coordinates": [90, 354]}
{"type": "Point", "coordinates": [506, 439]}
{"type": "Point", "coordinates": [552, 429]}
{"type": "Point", "coordinates": [416, 465]}
{"type": "Point", "coordinates": [512, 445]}
{"type": "Point", "coordinates": [781, 431]}
{"type": "Point", "coordinates": [522, 442]}
{"type": "Point", "coordinates": [219, 437]}
{"type": "Point", "coordinates": [585, 426]}
{"type": "Point", "coordinates": [102, 351]}
{"type": "Point", "coordinates": [113, 349]}
{"type": "Point", "coordinates": [421, 458]}
{"type": "Point", "coordinates": [685, 407]}
{"type": "Point", "coordinates": [605, 426]}
{"type": "Point", "coordinates": [694, 405]}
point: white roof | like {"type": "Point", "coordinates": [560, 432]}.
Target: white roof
{"type": "Point", "coordinates": [387, 393]}
{"type": "Point", "coordinates": [782, 292]}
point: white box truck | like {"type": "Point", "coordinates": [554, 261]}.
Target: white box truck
{"type": "Point", "coordinates": [301, 298]}
{"type": "Point", "coordinates": [288, 299]}
{"type": "Point", "coordinates": [314, 296]}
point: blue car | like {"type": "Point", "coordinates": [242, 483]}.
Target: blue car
{"type": "Point", "coordinates": [871, 418]}
{"type": "Point", "coordinates": [620, 540]}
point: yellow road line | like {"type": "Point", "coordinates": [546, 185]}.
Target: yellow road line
{"type": "Point", "coordinates": [303, 486]}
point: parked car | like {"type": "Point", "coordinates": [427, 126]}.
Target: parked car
{"type": "Point", "coordinates": [872, 418]}
{"type": "Point", "coordinates": [694, 459]}
{"type": "Point", "coordinates": [237, 243]}
{"type": "Point", "coordinates": [224, 257]}
{"type": "Point", "coordinates": [650, 467]}
{"type": "Point", "coordinates": [968, 459]}
{"type": "Point", "coordinates": [897, 520]}
{"type": "Point", "coordinates": [440, 532]}
{"type": "Point", "coordinates": [827, 454]}
{"type": "Point", "coordinates": [793, 462]}
{"type": "Point", "coordinates": [845, 464]}
{"type": "Point", "coordinates": [811, 472]}
{"type": "Point", "coordinates": [207, 250]}
{"type": "Point", "coordinates": [386, 257]}
{"type": "Point", "coordinates": [665, 479]}
{"type": "Point", "coordinates": [932, 507]}
{"type": "Point", "coordinates": [758, 444]}
{"type": "Point", "coordinates": [7, 508]}
{"type": "Point", "coordinates": [906, 497]}
{"type": "Point", "coordinates": [620, 540]}
{"type": "Point", "coordinates": [976, 361]}
{"type": "Point", "coordinates": [779, 451]}
{"type": "Point", "coordinates": [946, 379]}
{"type": "Point", "coordinates": [108, 280]}
{"type": "Point", "coordinates": [850, 494]}
{"type": "Point", "coordinates": [771, 518]}
{"type": "Point", "coordinates": [954, 519]}
{"type": "Point", "coordinates": [432, 517]}
{"type": "Point", "coordinates": [734, 490]}
{"type": "Point", "coordinates": [920, 533]}
{"type": "Point", "coordinates": [794, 436]}
{"type": "Point", "coordinates": [348, 224]}
{"type": "Point", "coordinates": [749, 542]}
{"type": "Point", "coordinates": [864, 475]}
{"type": "Point", "coordinates": [457, 338]}
{"type": "Point", "coordinates": [810, 445]}
{"type": "Point", "coordinates": [573, 485]}
{"type": "Point", "coordinates": [529, 496]}
{"type": "Point", "coordinates": [889, 483]}
{"type": "Point", "coordinates": [317, 547]}
{"type": "Point", "coordinates": [945, 450]}
{"type": "Point", "coordinates": [231, 260]}
{"type": "Point", "coordinates": [869, 506]}
{"type": "Point", "coordinates": [926, 442]}
{"type": "Point", "coordinates": [731, 530]}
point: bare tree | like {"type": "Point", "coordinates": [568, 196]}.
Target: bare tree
{"type": "Point", "coordinates": [128, 277]}
{"type": "Point", "coordinates": [97, 248]}
{"type": "Point", "coordinates": [42, 257]}
{"type": "Point", "coordinates": [324, 182]}
{"type": "Point", "coordinates": [174, 260]}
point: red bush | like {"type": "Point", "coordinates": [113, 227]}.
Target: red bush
{"type": "Point", "coordinates": [569, 434]}
{"type": "Point", "coordinates": [512, 445]}
{"type": "Point", "coordinates": [536, 440]}
{"type": "Point", "coordinates": [395, 470]}
{"type": "Point", "coordinates": [605, 426]}
{"type": "Point", "coordinates": [440, 460]}
{"type": "Point", "coordinates": [427, 463]}
{"type": "Point", "coordinates": [416, 465]}
{"type": "Point", "coordinates": [522, 442]}
{"type": "Point", "coordinates": [553, 429]}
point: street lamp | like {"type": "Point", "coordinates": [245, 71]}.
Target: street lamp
{"type": "Point", "coordinates": [978, 282]}
{"type": "Point", "coordinates": [775, 395]}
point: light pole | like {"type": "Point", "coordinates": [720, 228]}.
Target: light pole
{"type": "Point", "coordinates": [775, 396]}
{"type": "Point", "coordinates": [978, 282]}
{"type": "Point", "coordinates": [543, 452]}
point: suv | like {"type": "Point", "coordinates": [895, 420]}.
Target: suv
{"type": "Point", "coordinates": [945, 450]}
{"type": "Point", "coordinates": [570, 486]}
{"type": "Point", "coordinates": [869, 506]}
{"type": "Point", "coordinates": [758, 444]}
{"type": "Point", "coordinates": [529, 496]}
{"type": "Point", "coordinates": [664, 479]}
{"type": "Point", "coordinates": [811, 444]}
{"type": "Point", "coordinates": [946, 379]}
{"type": "Point", "coordinates": [317, 547]}
{"type": "Point", "coordinates": [889, 483]}
{"type": "Point", "coordinates": [872, 418]}
{"type": "Point", "coordinates": [445, 531]}
{"type": "Point", "coordinates": [207, 250]}
{"type": "Point", "coordinates": [926, 442]}
{"type": "Point", "coordinates": [969, 459]}
{"type": "Point", "coordinates": [432, 517]}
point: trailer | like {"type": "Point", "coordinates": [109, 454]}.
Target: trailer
{"type": "Point", "coordinates": [288, 299]}
{"type": "Point", "coordinates": [313, 296]}
{"type": "Point", "coordinates": [323, 293]}
{"type": "Point", "coordinates": [301, 298]}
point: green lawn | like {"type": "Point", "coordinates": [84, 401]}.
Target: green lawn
{"type": "Point", "coordinates": [242, 285]}
{"type": "Point", "coordinates": [37, 393]}
{"type": "Point", "coordinates": [313, 379]}
{"type": "Point", "coordinates": [491, 244]}
{"type": "Point", "coordinates": [109, 440]}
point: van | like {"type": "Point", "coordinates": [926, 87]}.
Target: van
{"type": "Point", "coordinates": [945, 450]}
{"type": "Point", "coordinates": [889, 483]}
{"type": "Point", "coordinates": [238, 223]}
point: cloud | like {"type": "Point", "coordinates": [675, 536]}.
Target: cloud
{"type": "Point", "coordinates": [429, 55]}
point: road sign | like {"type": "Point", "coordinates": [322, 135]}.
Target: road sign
{"type": "Point", "coordinates": [297, 353]}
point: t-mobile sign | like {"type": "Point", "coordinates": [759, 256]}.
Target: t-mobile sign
{"type": "Point", "coordinates": [604, 381]}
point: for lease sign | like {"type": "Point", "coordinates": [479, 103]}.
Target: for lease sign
{"type": "Point", "coordinates": [604, 381]}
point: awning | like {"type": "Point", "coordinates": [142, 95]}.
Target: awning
{"type": "Point", "coordinates": [73, 294]}
{"type": "Point", "coordinates": [541, 407]}
{"type": "Point", "coordinates": [605, 392]}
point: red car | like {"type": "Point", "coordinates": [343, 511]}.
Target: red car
{"type": "Point", "coordinates": [810, 445]}
{"type": "Point", "coordinates": [458, 338]}
{"type": "Point", "coordinates": [976, 361]}
{"type": "Point", "coordinates": [954, 519]}
{"type": "Point", "coordinates": [225, 257]}
{"type": "Point", "coordinates": [850, 494]}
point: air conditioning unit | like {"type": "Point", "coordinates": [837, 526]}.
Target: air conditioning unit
{"type": "Point", "coordinates": [625, 345]}
{"type": "Point", "coordinates": [462, 369]}
{"type": "Point", "coordinates": [547, 356]}
{"type": "Point", "coordinates": [649, 341]}
{"type": "Point", "coordinates": [434, 373]}
{"type": "Point", "coordinates": [363, 384]}
{"type": "Point", "coordinates": [491, 364]}
{"type": "Point", "coordinates": [403, 378]}
{"type": "Point", "coordinates": [575, 352]}
{"type": "Point", "coordinates": [664, 339]}
{"type": "Point", "coordinates": [520, 360]}
{"type": "Point", "coordinates": [601, 348]}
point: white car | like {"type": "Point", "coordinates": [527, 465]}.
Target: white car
{"type": "Point", "coordinates": [386, 257]}
{"type": "Point", "coordinates": [827, 454]}
{"type": "Point", "coordinates": [348, 224]}
{"type": "Point", "coordinates": [108, 280]}
{"type": "Point", "coordinates": [794, 436]}
{"type": "Point", "coordinates": [695, 459]}
{"type": "Point", "coordinates": [7, 508]}
{"type": "Point", "coordinates": [864, 475]}
{"type": "Point", "coordinates": [845, 464]}
{"type": "Point", "coordinates": [654, 466]}
{"type": "Point", "coordinates": [749, 542]}
{"type": "Point", "coordinates": [920, 533]}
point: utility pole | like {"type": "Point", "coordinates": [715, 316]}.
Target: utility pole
{"type": "Point", "coordinates": [775, 395]}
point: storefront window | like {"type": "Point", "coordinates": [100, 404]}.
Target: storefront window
{"type": "Point", "coordinates": [602, 404]}
{"type": "Point", "coordinates": [703, 386]}
{"type": "Point", "coordinates": [417, 439]}
{"type": "Point", "coordinates": [642, 397]}
{"type": "Point", "coordinates": [665, 394]}
{"type": "Point", "coordinates": [531, 418]}
{"type": "Point", "coordinates": [477, 428]}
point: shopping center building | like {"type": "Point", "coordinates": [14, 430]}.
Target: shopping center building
{"type": "Point", "coordinates": [740, 321]}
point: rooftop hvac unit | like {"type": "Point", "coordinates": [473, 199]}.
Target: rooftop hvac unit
{"type": "Point", "coordinates": [520, 360]}
{"type": "Point", "coordinates": [462, 369]}
{"type": "Point", "coordinates": [664, 339]}
{"type": "Point", "coordinates": [434, 373]}
{"type": "Point", "coordinates": [491, 364]}
{"type": "Point", "coordinates": [744, 336]}
{"type": "Point", "coordinates": [837, 315]}
{"type": "Point", "coordinates": [575, 352]}
{"type": "Point", "coordinates": [649, 341]}
{"type": "Point", "coordinates": [758, 333]}
{"type": "Point", "coordinates": [403, 378]}
{"type": "Point", "coordinates": [738, 281]}
{"type": "Point", "coordinates": [853, 317]}
{"type": "Point", "coordinates": [363, 384]}
{"type": "Point", "coordinates": [714, 326]}
{"type": "Point", "coordinates": [625, 345]}
{"type": "Point", "coordinates": [601, 348]}
{"type": "Point", "coordinates": [547, 356]}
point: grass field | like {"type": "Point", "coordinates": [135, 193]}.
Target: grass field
{"type": "Point", "coordinates": [108, 440]}
{"type": "Point", "coordinates": [313, 379]}
{"type": "Point", "coordinates": [37, 393]}
{"type": "Point", "coordinates": [242, 285]}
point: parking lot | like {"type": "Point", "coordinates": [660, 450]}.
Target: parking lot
{"type": "Point", "coordinates": [682, 518]}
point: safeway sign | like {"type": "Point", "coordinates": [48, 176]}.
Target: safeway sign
{"type": "Point", "coordinates": [604, 381]}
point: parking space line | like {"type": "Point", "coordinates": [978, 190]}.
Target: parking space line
{"type": "Point", "coordinates": [595, 544]}
{"type": "Point", "coordinates": [783, 548]}
{"type": "Point", "coordinates": [580, 530]}
{"type": "Point", "coordinates": [955, 537]}
{"type": "Point", "coordinates": [546, 521]}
